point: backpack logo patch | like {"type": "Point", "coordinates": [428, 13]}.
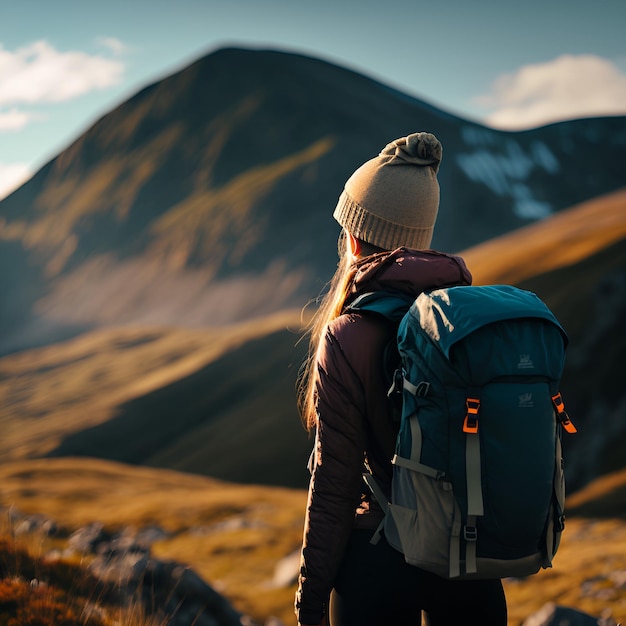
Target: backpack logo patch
{"type": "Point", "coordinates": [526, 401]}
{"type": "Point", "coordinates": [525, 362]}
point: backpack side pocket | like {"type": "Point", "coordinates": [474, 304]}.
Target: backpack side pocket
{"type": "Point", "coordinates": [424, 521]}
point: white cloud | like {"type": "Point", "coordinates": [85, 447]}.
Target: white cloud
{"type": "Point", "coordinates": [14, 119]}
{"type": "Point", "coordinates": [12, 175]}
{"type": "Point", "coordinates": [114, 45]}
{"type": "Point", "coordinates": [567, 87]}
{"type": "Point", "coordinates": [38, 73]}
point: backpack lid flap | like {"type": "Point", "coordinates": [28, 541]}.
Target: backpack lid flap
{"type": "Point", "coordinates": [448, 315]}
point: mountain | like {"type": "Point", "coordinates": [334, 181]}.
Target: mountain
{"type": "Point", "coordinates": [207, 197]}
{"type": "Point", "coordinates": [168, 250]}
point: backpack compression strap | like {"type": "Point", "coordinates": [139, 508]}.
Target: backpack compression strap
{"type": "Point", "coordinates": [475, 506]}
{"type": "Point", "coordinates": [561, 414]}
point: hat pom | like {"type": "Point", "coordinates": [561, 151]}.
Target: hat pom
{"type": "Point", "coordinates": [416, 149]}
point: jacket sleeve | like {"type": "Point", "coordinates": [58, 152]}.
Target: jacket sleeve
{"type": "Point", "coordinates": [336, 481]}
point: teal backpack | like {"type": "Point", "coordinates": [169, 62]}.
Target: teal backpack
{"type": "Point", "coordinates": [478, 488]}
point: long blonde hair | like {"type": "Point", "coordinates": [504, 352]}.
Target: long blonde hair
{"type": "Point", "coordinates": [330, 307]}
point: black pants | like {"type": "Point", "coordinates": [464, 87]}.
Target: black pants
{"type": "Point", "coordinates": [376, 587]}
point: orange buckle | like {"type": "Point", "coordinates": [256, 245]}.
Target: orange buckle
{"type": "Point", "coordinates": [470, 423]}
{"type": "Point", "coordinates": [558, 402]}
{"type": "Point", "coordinates": [567, 423]}
{"type": "Point", "coordinates": [562, 415]}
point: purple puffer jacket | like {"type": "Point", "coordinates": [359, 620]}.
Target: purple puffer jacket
{"type": "Point", "coordinates": [354, 422]}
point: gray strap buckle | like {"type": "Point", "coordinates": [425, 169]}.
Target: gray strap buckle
{"type": "Point", "coordinates": [470, 533]}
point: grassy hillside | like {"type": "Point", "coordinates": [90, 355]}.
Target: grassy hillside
{"type": "Point", "coordinates": [48, 394]}
{"type": "Point", "coordinates": [234, 418]}
{"type": "Point", "coordinates": [604, 497]}
{"type": "Point", "coordinates": [558, 242]}
{"type": "Point", "coordinates": [234, 535]}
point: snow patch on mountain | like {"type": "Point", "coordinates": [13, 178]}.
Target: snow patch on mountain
{"type": "Point", "coordinates": [505, 166]}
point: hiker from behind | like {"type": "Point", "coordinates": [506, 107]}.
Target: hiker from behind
{"type": "Point", "coordinates": [387, 212]}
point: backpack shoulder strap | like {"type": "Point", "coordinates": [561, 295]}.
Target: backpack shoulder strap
{"type": "Point", "coordinates": [392, 305]}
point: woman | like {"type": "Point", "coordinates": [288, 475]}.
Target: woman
{"type": "Point", "coordinates": [388, 210]}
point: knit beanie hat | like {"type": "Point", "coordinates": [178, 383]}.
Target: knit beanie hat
{"type": "Point", "coordinates": [392, 200]}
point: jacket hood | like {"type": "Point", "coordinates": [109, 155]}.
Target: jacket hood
{"type": "Point", "coordinates": [408, 271]}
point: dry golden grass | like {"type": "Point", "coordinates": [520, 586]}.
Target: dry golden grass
{"type": "Point", "coordinates": [234, 535]}
{"type": "Point", "coordinates": [36, 590]}
{"type": "Point", "coordinates": [592, 552]}
{"type": "Point", "coordinates": [48, 393]}
{"type": "Point", "coordinates": [559, 241]}
{"type": "Point", "coordinates": [208, 220]}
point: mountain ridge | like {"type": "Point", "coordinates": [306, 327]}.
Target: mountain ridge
{"type": "Point", "coordinates": [229, 169]}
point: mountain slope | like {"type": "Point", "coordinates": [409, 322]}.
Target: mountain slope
{"type": "Point", "coordinates": [48, 394]}
{"type": "Point", "coordinates": [604, 497]}
{"type": "Point", "coordinates": [233, 419]}
{"type": "Point", "coordinates": [559, 242]}
{"type": "Point", "coordinates": [220, 180]}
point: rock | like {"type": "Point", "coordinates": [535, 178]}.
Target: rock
{"type": "Point", "coordinates": [34, 524]}
{"type": "Point", "coordinates": [287, 570]}
{"type": "Point", "coordinates": [94, 539]}
{"type": "Point", "coordinates": [619, 579]}
{"type": "Point", "coordinates": [273, 621]}
{"type": "Point", "coordinates": [149, 534]}
{"type": "Point", "coordinates": [87, 539]}
{"type": "Point", "coordinates": [167, 589]}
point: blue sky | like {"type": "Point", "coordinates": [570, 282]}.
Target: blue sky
{"type": "Point", "coordinates": [515, 65]}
